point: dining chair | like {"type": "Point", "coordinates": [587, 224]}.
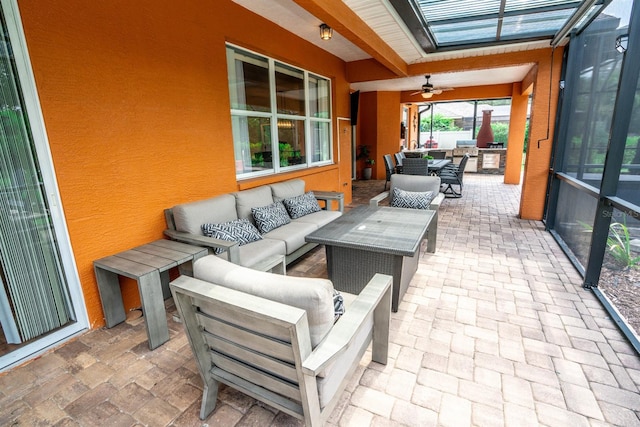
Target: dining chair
{"type": "Point", "coordinates": [398, 157]}
{"type": "Point", "coordinates": [453, 176]}
{"type": "Point", "coordinates": [389, 168]}
{"type": "Point", "coordinates": [415, 166]}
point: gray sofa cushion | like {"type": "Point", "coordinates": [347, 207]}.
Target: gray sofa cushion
{"type": "Point", "coordinates": [292, 234]}
{"type": "Point", "coordinates": [319, 218]}
{"type": "Point", "coordinates": [252, 198]}
{"type": "Point", "coordinates": [287, 189]}
{"type": "Point", "coordinates": [257, 251]}
{"type": "Point", "coordinates": [189, 217]}
{"type": "Point", "coordinates": [315, 296]}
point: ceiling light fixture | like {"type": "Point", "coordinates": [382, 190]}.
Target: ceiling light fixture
{"type": "Point", "coordinates": [325, 32]}
{"type": "Point", "coordinates": [427, 95]}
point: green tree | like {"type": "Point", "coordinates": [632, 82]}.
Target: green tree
{"type": "Point", "coordinates": [440, 122]}
{"type": "Point", "coordinates": [500, 132]}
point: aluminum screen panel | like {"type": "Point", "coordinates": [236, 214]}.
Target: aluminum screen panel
{"type": "Point", "coordinates": [455, 23]}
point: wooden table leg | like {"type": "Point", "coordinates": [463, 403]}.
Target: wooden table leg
{"type": "Point", "coordinates": [432, 234]}
{"type": "Point", "coordinates": [150, 289]}
{"type": "Point", "coordinates": [110, 297]}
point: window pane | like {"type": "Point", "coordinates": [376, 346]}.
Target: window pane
{"type": "Point", "coordinates": [290, 90]}
{"type": "Point", "coordinates": [252, 143]}
{"type": "Point", "coordinates": [629, 185]}
{"type": "Point", "coordinates": [319, 105]}
{"type": "Point", "coordinates": [248, 81]}
{"type": "Point", "coordinates": [596, 87]}
{"type": "Point", "coordinates": [574, 220]}
{"type": "Point", "coordinates": [291, 142]}
{"type": "Point", "coordinates": [320, 141]}
{"type": "Point", "coordinates": [617, 281]}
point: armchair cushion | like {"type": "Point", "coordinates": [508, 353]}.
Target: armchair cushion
{"type": "Point", "coordinates": [270, 217]}
{"type": "Point", "coordinates": [302, 205]}
{"type": "Point", "coordinates": [315, 296]}
{"type": "Point", "coordinates": [240, 230]}
{"type": "Point", "coordinates": [411, 199]}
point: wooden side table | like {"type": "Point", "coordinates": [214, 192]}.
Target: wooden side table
{"type": "Point", "coordinates": [149, 265]}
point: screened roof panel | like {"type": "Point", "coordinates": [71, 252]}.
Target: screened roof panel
{"type": "Point", "coordinates": [478, 30]}
{"type": "Point", "coordinates": [533, 25]}
{"type": "Point", "coordinates": [455, 23]}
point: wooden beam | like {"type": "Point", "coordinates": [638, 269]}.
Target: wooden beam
{"type": "Point", "coordinates": [345, 21]}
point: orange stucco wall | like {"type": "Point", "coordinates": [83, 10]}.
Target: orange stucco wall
{"type": "Point", "coordinates": [517, 127]}
{"type": "Point", "coordinates": [543, 112]}
{"type": "Point", "coordinates": [379, 127]}
{"type": "Point", "coordinates": [136, 107]}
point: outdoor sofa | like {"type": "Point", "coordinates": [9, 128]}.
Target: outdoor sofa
{"type": "Point", "coordinates": [283, 214]}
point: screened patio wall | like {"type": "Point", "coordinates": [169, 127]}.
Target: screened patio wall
{"type": "Point", "coordinates": [594, 202]}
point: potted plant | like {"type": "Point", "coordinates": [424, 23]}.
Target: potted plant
{"type": "Point", "coordinates": [364, 154]}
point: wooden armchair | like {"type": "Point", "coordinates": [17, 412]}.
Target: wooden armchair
{"type": "Point", "coordinates": [264, 348]}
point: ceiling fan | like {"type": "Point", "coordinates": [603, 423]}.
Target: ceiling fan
{"type": "Point", "coordinates": [428, 90]}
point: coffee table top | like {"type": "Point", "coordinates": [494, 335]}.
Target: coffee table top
{"type": "Point", "coordinates": [378, 229]}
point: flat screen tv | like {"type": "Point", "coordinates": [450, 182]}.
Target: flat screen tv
{"type": "Point", "coordinates": [355, 100]}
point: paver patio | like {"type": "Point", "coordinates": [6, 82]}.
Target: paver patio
{"type": "Point", "coordinates": [495, 330]}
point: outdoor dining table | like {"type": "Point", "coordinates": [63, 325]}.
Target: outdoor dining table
{"type": "Point", "coordinates": [368, 240]}
{"type": "Point", "coordinates": [436, 165]}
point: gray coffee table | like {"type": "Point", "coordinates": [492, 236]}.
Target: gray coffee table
{"type": "Point", "coordinates": [368, 240]}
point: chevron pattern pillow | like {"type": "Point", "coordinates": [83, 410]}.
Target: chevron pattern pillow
{"type": "Point", "coordinates": [270, 217]}
{"type": "Point", "coordinates": [239, 230]}
{"type": "Point", "coordinates": [302, 205]}
{"type": "Point", "coordinates": [411, 199]}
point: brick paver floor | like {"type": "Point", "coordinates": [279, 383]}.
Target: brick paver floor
{"type": "Point", "coordinates": [495, 330]}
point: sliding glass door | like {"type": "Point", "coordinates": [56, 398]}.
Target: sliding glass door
{"type": "Point", "coordinates": [38, 281]}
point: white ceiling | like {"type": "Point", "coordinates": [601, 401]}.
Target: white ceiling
{"type": "Point", "coordinates": [383, 19]}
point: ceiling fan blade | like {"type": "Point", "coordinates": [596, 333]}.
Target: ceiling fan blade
{"type": "Point", "coordinates": [436, 91]}
{"type": "Point", "coordinates": [416, 93]}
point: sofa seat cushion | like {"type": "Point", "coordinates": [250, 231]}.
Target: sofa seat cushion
{"type": "Point", "coordinates": [252, 198]}
{"type": "Point", "coordinates": [302, 205]}
{"type": "Point", "coordinates": [239, 230]}
{"type": "Point", "coordinates": [292, 234]}
{"type": "Point", "coordinates": [287, 189]}
{"type": "Point", "coordinates": [270, 217]}
{"type": "Point", "coordinates": [189, 217]}
{"type": "Point", "coordinates": [315, 296]}
{"type": "Point", "coordinates": [257, 251]}
{"type": "Point", "coordinates": [319, 218]}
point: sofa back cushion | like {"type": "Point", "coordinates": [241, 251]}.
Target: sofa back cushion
{"type": "Point", "coordinates": [315, 296]}
{"type": "Point", "coordinates": [287, 189]}
{"type": "Point", "coordinates": [252, 198]}
{"type": "Point", "coordinates": [189, 217]}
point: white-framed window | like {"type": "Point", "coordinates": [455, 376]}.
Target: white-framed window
{"type": "Point", "coordinates": [280, 115]}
